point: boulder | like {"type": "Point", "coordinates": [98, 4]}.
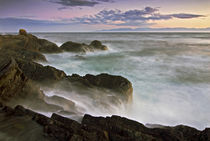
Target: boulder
{"type": "Point", "coordinates": [98, 45]}
{"type": "Point", "coordinates": [75, 47]}
{"type": "Point", "coordinates": [22, 32]}
{"type": "Point", "coordinates": [82, 48]}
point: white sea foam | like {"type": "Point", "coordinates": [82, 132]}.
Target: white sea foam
{"type": "Point", "coordinates": [170, 74]}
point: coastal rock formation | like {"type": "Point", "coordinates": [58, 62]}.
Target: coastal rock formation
{"type": "Point", "coordinates": [120, 85]}
{"type": "Point", "coordinates": [40, 73]}
{"type": "Point", "coordinates": [98, 45]}
{"type": "Point", "coordinates": [91, 128]}
{"type": "Point", "coordinates": [48, 47]}
{"type": "Point", "coordinates": [82, 48]}
{"type": "Point", "coordinates": [12, 79]}
{"type": "Point", "coordinates": [22, 53]}
{"type": "Point", "coordinates": [123, 129]}
{"type": "Point", "coordinates": [28, 42]}
{"type": "Point", "coordinates": [75, 47]}
{"type": "Point", "coordinates": [20, 81]}
{"type": "Point", "coordinates": [114, 89]}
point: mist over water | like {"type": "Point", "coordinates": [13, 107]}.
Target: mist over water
{"type": "Point", "coordinates": [170, 73]}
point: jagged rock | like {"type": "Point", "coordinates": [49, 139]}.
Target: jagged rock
{"type": "Point", "coordinates": [123, 129]}
{"type": "Point", "coordinates": [12, 79]}
{"type": "Point", "coordinates": [113, 128]}
{"type": "Point", "coordinates": [40, 73]}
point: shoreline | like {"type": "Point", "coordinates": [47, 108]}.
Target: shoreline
{"type": "Point", "coordinates": [89, 81]}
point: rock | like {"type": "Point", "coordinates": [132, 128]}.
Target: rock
{"type": "Point", "coordinates": [39, 73]}
{"type": "Point", "coordinates": [48, 47]}
{"type": "Point", "coordinates": [120, 85]}
{"type": "Point", "coordinates": [75, 47]}
{"type": "Point", "coordinates": [123, 129]}
{"type": "Point", "coordinates": [23, 54]}
{"type": "Point", "coordinates": [28, 42]}
{"type": "Point", "coordinates": [22, 32]}
{"type": "Point", "coordinates": [98, 45]}
{"type": "Point", "coordinates": [205, 135]}
{"type": "Point", "coordinates": [12, 79]}
{"type": "Point", "coordinates": [113, 128]}
{"type": "Point", "coordinates": [82, 48]}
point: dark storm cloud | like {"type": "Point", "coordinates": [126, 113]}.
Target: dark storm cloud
{"type": "Point", "coordinates": [72, 3]}
{"type": "Point", "coordinates": [130, 17]}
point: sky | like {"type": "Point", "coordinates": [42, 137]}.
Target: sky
{"type": "Point", "coordinates": [104, 15]}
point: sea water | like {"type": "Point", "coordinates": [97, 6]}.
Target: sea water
{"type": "Point", "coordinates": [170, 73]}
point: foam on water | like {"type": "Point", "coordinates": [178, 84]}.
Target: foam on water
{"type": "Point", "coordinates": [170, 73]}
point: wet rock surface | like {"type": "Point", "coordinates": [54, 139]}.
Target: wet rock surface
{"type": "Point", "coordinates": [91, 128]}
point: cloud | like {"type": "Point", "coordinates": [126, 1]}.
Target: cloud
{"type": "Point", "coordinates": [134, 17]}
{"type": "Point", "coordinates": [186, 16]}
{"type": "Point", "coordinates": [73, 3]}
{"type": "Point", "coordinates": [179, 29]}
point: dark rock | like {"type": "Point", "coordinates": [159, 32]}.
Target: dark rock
{"type": "Point", "coordinates": [113, 128]}
{"type": "Point", "coordinates": [68, 123]}
{"type": "Point", "coordinates": [118, 84]}
{"type": "Point", "coordinates": [40, 73]}
{"type": "Point", "coordinates": [75, 47]}
{"type": "Point", "coordinates": [98, 45]}
{"type": "Point", "coordinates": [48, 47]}
{"type": "Point", "coordinates": [121, 129]}
{"type": "Point", "coordinates": [205, 135]}
{"type": "Point", "coordinates": [78, 47]}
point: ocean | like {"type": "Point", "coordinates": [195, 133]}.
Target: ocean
{"type": "Point", "coordinates": [170, 73]}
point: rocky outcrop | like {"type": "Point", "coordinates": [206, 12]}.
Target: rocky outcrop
{"type": "Point", "coordinates": [120, 85]}
{"type": "Point", "coordinates": [28, 42]}
{"type": "Point", "coordinates": [98, 45]}
{"type": "Point", "coordinates": [123, 129]}
{"type": "Point", "coordinates": [75, 47]}
{"type": "Point", "coordinates": [12, 79]}
{"type": "Point", "coordinates": [82, 48]}
{"type": "Point", "coordinates": [40, 73]}
{"type": "Point", "coordinates": [22, 53]}
{"type": "Point", "coordinates": [48, 47]}
{"type": "Point", "coordinates": [113, 128]}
